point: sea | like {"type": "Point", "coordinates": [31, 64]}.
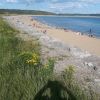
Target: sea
{"type": "Point", "coordinates": [85, 25]}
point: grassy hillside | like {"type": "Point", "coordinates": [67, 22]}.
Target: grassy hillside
{"type": "Point", "coordinates": [24, 76]}
{"type": "Point", "coordinates": [33, 12]}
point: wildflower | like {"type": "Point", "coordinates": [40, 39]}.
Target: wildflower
{"type": "Point", "coordinates": [34, 60]}
{"type": "Point", "coordinates": [46, 65]}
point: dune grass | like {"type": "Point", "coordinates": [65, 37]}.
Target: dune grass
{"type": "Point", "coordinates": [23, 76]}
{"type": "Point", "coordinates": [22, 73]}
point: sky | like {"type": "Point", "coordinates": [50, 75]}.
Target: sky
{"type": "Point", "coordinates": [57, 6]}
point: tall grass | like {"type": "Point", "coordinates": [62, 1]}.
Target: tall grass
{"type": "Point", "coordinates": [23, 76]}
{"type": "Point", "coordinates": [22, 73]}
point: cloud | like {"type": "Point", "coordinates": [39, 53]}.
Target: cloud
{"type": "Point", "coordinates": [67, 5]}
{"type": "Point", "coordinates": [52, 1]}
{"type": "Point", "coordinates": [62, 3]}
{"type": "Point", "coordinates": [11, 1]}
{"type": "Point", "coordinates": [73, 4]}
{"type": "Point", "coordinates": [90, 1]}
{"type": "Point", "coordinates": [56, 5]}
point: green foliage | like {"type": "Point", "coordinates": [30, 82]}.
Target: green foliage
{"type": "Point", "coordinates": [29, 12]}
{"type": "Point", "coordinates": [68, 75]}
{"type": "Point", "coordinates": [22, 73]}
{"type": "Point", "coordinates": [23, 76]}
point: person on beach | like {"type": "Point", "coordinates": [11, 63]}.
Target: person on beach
{"type": "Point", "coordinates": [90, 33]}
{"type": "Point", "coordinates": [65, 30]}
{"type": "Point", "coordinates": [34, 25]}
{"type": "Point", "coordinates": [90, 30]}
{"type": "Point", "coordinates": [44, 31]}
{"type": "Point", "coordinates": [31, 19]}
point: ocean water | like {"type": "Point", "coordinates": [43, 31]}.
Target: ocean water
{"type": "Point", "coordinates": [78, 24]}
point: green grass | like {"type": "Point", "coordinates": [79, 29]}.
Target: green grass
{"type": "Point", "coordinates": [20, 79]}
{"type": "Point", "coordinates": [23, 76]}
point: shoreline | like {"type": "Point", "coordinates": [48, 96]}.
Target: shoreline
{"type": "Point", "coordinates": [67, 16]}
{"type": "Point", "coordinates": [70, 37]}
{"type": "Point", "coordinates": [77, 32]}
{"type": "Point", "coordinates": [86, 64]}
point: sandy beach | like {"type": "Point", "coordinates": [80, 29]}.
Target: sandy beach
{"type": "Point", "coordinates": [83, 42]}
{"type": "Point", "coordinates": [65, 46]}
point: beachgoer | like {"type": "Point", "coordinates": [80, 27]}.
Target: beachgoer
{"type": "Point", "coordinates": [90, 30]}
{"type": "Point", "coordinates": [69, 49]}
{"type": "Point", "coordinates": [44, 31]}
{"type": "Point", "coordinates": [95, 68]}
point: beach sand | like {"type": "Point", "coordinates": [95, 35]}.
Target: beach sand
{"type": "Point", "coordinates": [90, 44]}
{"type": "Point", "coordinates": [61, 45]}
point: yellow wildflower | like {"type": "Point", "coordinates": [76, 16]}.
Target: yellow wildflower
{"type": "Point", "coordinates": [34, 60]}
{"type": "Point", "coordinates": [46, 65]}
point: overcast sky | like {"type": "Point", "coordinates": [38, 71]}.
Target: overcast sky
{"type": "Point", "coordinates": [58, 6]}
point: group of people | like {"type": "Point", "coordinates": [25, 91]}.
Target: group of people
{"type": "Point", "coordinates": [39, 27]}
{"type": "Point", "coordinates": [45, 31]}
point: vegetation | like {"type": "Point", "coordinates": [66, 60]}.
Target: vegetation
{"type": "Point", "coordinates": [36, 12]}
{"type": "Point", "coordinates": [32, 12]}
{"type": "Point", "coordinates": [23, 75]}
